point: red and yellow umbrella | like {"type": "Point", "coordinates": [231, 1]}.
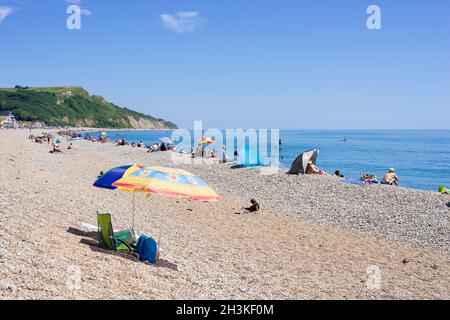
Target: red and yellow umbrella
{"type": "Point", "coordinates": [206, 140]}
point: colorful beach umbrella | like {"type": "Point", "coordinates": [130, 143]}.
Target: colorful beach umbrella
{"type": "Point", "coordinates": [106, 180]}
{"type": "Point", "coordinates": [168, 181]}
{"type": "Point", "coordinates": [206, 140]}
{"type": "Point", "coordinates": [163, 180]}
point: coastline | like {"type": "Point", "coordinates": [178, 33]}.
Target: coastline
{"type": "Point", "coordinates": [314, 238]}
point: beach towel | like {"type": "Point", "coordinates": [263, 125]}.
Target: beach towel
{"type": "Point", "coordinates": [358, 181]}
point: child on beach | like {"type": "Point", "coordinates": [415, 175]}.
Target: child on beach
{"type": "Point", "coordinates": [254, 207]}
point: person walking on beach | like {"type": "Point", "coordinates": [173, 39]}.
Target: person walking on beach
{"type": "Point", "coordinates": [236, 156]}
{"type": "Point", "coordinates": [224, 154]}
{"type": "Point", "coordinates": [390, 178]}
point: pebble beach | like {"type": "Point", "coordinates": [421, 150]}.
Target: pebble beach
{"type": "Point", "coordinates": [314, 237]}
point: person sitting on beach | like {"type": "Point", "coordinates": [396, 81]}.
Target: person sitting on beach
{"type": "Point", "coordinates": [311, 168]}
{"type": "Point", "coordinates": [69, 147]}
{"type": "Point", "coordinates": [163, 147]}
{"type": "Point", "coordinates": [254, 207]}
{"type": "Point", "coordinates": [339, 174]}
{"type": "Point", "coordinates": [192, 153]}
{"type": "Point", "coordinates": [390, 178]}
{"type": "Point", "coordinates": [153, 148]}
{"type": "Point", "coordinates": [56, 148]}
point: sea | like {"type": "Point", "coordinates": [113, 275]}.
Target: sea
{"type": "Point", "coordinates": [420, 157]}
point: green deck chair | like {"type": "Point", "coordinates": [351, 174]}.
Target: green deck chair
{"type": "Point", "coordinates": [124, 240]}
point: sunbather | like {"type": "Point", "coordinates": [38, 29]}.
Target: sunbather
{"type": "Point", "coordinates": [313, 169]}
{"type": "Point", "coordinates": [339, 174]}
{"type": "Point", "coordinates": [56, 147]}
{"type": "Point", "coordinates": [390, 178]}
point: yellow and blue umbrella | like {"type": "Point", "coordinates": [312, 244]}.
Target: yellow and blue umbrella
{"type": "Point", "coordinates": [107, 179]}
{"type": "Point", "coordinates": [168, 181]}
{"type": "Point", "coordinates": [163, 180]}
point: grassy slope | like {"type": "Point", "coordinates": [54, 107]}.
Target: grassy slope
{"type": "Point", "coordinates": [50, 105]}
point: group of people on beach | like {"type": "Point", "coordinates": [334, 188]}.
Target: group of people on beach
{"type": "Point", "coordinates": [159, 147]}
{"type": "Point", "coordinates": [212, 153]}
{"type": "Point", "coordinates": [390, 178]}
{"type": "Point", "coordinates": [53, 139]}
{"type": "Point", "coordinates": [50, 139]}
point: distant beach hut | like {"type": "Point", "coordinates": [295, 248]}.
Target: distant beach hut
{"type": "Point", "coordinates": [299, 165]}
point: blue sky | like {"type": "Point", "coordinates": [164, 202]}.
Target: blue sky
{"type": "Point", "coordinates": [235, 63]}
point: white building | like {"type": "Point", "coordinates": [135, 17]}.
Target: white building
{"type": "Point", "coordinates": [7, 120]}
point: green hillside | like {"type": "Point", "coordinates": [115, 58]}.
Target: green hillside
{"type": "Point", "coordinates": [73, 106]}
